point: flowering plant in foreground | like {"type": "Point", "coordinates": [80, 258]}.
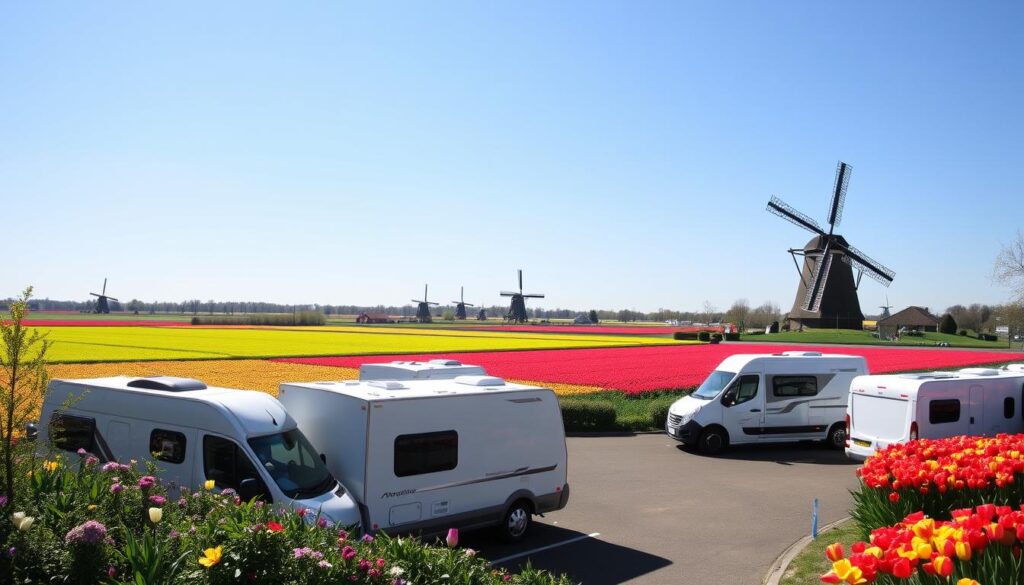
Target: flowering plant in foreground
{"type": "Point", "coordinates": [937, 476]}
{"type": "Point", "coordinates": [88, 522]}
{"type": "Point", "coordinates": [979, 545]}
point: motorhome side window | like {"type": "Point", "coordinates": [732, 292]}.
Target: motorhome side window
{"type": "Point", "coordinates": [742, 390]}
{"type": "Point", "coordinates": [167, 446]}
{"type": "Point", "coordinates": [225, 463]}
{"type": "Point", "coordinates": [943, 411]}
{"type": "Point", "coordinates": [1008, 407]}
{"type": "Point", "coordinates": [792, 386]}
{"type": "Point", "coordinates": [426, 453]}
{"type": "Point", "coordinates": [72, 433]}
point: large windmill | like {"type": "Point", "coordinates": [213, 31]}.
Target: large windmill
{"type": "Point", "coordinates": [460, 305]}
{"type": "Point", "coordinates": [423, 308]}
{"type": "Point", "coordinates": [101, 299]}
{"type": "Point", "coordinates": [517, 311]}
{"type": "Point", "coordinates": [827, 296]}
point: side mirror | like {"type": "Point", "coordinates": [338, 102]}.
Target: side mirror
{"type": "Point", "coordinates": [728, 399]}
{"type": "Point", "coordinates": [252, 488]}
{"type": "Point", "coordinates": [31, 431]}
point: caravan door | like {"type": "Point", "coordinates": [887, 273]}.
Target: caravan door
{"type": "Point", "coordinates": [743, 408]}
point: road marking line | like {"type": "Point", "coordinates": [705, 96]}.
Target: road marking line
{"type": "Point", "coordinates": [543, 548]}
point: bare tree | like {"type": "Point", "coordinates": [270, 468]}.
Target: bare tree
{"type": "Point", "coordinates": [1009, 266]}
{"type": "Point", "coordinates": [709, 312]}
{"type": "Point", "coordinates": [738, 313]}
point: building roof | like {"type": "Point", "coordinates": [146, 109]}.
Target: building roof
{"type": "Point", "coordinates": [384, 316]}
{"type": "Point", "coordinates": [914, 316]}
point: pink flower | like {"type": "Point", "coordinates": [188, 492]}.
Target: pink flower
{"type": "Point", "coordinates": [182, 502]}
{"type": "Point", "coordinates": [380, 563]}
{"type": "Point", "coordinates": [146, 482]}
{"type": "Point", "coordinates": [322, 522]}
{"type": "Point", "coordinates": [364, 565]}
{"type": "Point", "coordinates": [116, 488]}
{"type": "Point", "coordinates": [342, 536]}
{"type": "Point", "coordinates": [367, 538]}
{"type": "Point", "coordinates": [158, 500]}
{"type": "Point", "coordinates": [302, 512]}
{"type": "Point", "coordinates": [324, 565]}
{"type": "Point", "coordinates": [453, 537]}
{"type": "Point", "coordinates": [112, 466]}
{"type": "Point", "coordinates": [111, 571]}
{"type": "Point", "coordinates": [348, 553]}
{"type": "Point", "coordinates": [373, 573]}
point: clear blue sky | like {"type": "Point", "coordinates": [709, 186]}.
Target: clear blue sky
{"type": "Point", "coordinates": [621, 153]}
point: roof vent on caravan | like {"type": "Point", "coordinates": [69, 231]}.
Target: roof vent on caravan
{"type": "Point", "coordinates": [388, 385]}
{"type": "Point", "coordinates": [928, 376]}
{"type": "Point", "coordinates": [802, 353]}
{"type": "Point", "coordinates": [167, 384]}
{"type": "Point", "coordinates": [445, 363]}
{"type": "Point", "coordinates": [479, 380]}
{"type": "Point", "coordinates": [980, 371]}
{"type": "Point", "coordinates": [1019, 368]}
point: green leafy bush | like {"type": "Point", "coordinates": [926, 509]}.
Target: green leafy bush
{"type": "Point", "coordinates": [685, 335]}
{"type": "Point", "coordinates": [947, 324]}
{"type": "Point", "coordinates": [704, 335]}
{"type": "Point", "coordinates": [582, 415]}
{"type": "Point", "coordinates": [987, 337]}
{"type": "Point", "coordinates": [732, 336]}
{"type": "Point", "coordinates": [962, 333]}
{"type": "Point", "coordinates": [302, 318]}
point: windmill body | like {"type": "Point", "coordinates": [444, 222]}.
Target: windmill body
{"type": "Point", "coordinates": [517, 309]}
{"type": "Point", "coordinates": [827, 294]}
{"type": "Point", "coordinates": [423, 308]}
{"type": "Point", "coordinates": [460, 305]}
{"type": "Point", "coordinates": [102, 306]}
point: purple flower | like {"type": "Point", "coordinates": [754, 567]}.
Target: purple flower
{"type": "Point", "coordinates": [92, 532]}
{"type": "Point", "coordinates": [191, 529]}
{"type": "Point", "coordinates": [302, 512]}
{"type": "Point", "coordinates": [365, 565]}
{"type": "Point", "coordinates": [146, 482]}
{"type": "Point", "coordinates": [258, 504]}
{"type": "Point", "coordinates": [373, 573]}
{"type": "Point", "coordinates": [323, 522]}
{"type": "Point", "coordinates": [81, 452]}
{"type": "Point", "coordinates": [324, 565]}
{"type": "Point", "coordinates": [112, 466]}
{"type": "Point", "coordinates": [158, 500]}
{"type": "Point", "coordinates": [3, 501]}
{"type": "Point", "coordinates": [342, 535]}
{"type": "Point", "coordinates": [116, 488]}
{"type": "Point", "coordinates": [227, 492]}
{"type": "Point", "coordinates": [124, 467]}
{"type": "Point", "coordinates": [348, 553]}
{"type": "Point", "coordinates": [366, 538]}
{"type": "Point", "coordinates": [182, 502]}
{"type": "Point", "coordinates": [91, 460]}
{"type": "Point", "coordinates": [111, 571]}
{"type": "Point", "coordinates": [174, 534]}
{"type": "Point", "coordinates": [11, 552]}
{"type": "Point", "coordinates": [301, 552]}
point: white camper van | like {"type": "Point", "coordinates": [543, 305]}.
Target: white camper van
{"type": "Point", "coordinates": [902, 407]}
{"type": "Point", "coordinates": [426, 455]}
{"type": "Point", "coordinates": [436, 369]}
{"type": "Point", "coordinates": [754, 398]}
{"type": "Point", "coordinates": [242, 440]}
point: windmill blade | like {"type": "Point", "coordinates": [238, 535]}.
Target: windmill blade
{"type": "Point", "coordinates": [533, 296]}
{"type": "Point", "coordinates": [835, 210]}
{"type": "Point", "coordinates": [506, 293]}
{"type": "Point", "coordinates": [469, 304]}
{"type": "Point", "coordinates": [113, 299]}
{"type": "Point", "coordinates": [433, 303]}
{"type": "Point", "coordinates": [787, 212]}
{"type": "Point", "coordinates": [520, 280]}
{"type": "Point", "coordinates": [816, 291]}
{"type": "Point", "coordinates": [865, 264]}
{"type": "Point", "coordinates": [104, 285]}
{"type": "Point", "coordinates": [96, 294]}
{"type": "Point", "coordinates": [417, 301]}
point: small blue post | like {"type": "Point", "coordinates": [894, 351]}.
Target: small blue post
{"type": "Point", "coordinates": [814, 519]}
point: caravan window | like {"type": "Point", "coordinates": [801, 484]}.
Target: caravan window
{"type": "Point", "coordinates": [72, 433]}
{"type": "Point", "coordinates": [167, 446]}
{"type": "Point", "coordinates": [791, 386]}
{"type": "Point", "coordinates": [225, 463]}
{"type": "Point", "coordinates": [1008, 407]}
{"type": "Point", "coordinates": [943, 411]}
{"type": "Point", "coordinates": [426, 453]}
{"type": "Point", "coordinates": [742, 390]}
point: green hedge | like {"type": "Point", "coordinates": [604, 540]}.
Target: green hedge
{"type": "Point", "coordinates": [685, 336]}
{"type": "Point", "coordinates": [732, 336]}
{"type": "Point", "coordinates": [581, 415]}
{"type": "Point", "coordinates": [704, 336]}
{"type": "Point", "coordinates": [285, 319]}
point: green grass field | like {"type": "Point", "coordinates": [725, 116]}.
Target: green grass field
{"type": "Point", "coordinates": [847, 336]}
{"type": "Point", "coordinates": [101, 344]}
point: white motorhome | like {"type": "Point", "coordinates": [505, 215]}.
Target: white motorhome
{"type": "Point", "coordinates": [426, 455]}
{"type": "Point", "coordinates": [242, 440]}
{"type": "Point", "coordinates": [897, 408]}
{"type": "Point", "coordinates": [760, 398]}
{"type": "Point", "coordinates": [436, 369]}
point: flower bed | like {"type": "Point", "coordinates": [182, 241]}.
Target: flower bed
{"type": "Point", "coordinates": [979, 545]}
{"type": "Point", "coordinates": [642, 369]}
{"type": "Point", "coordinates": [86, 522]}
{"type": "Point", "coordinates": [937, 476]}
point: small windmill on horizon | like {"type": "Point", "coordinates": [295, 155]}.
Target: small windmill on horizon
{"type": "Point", "coordinates": [517, 311]}
{"type": "Point", "coordinates": [460, 305]}
{"type": "Point", "coordinates": [423, 308]}
{"type": "Point", "coordinates": [102, 306]}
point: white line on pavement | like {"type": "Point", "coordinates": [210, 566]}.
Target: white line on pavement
{"type": "Point", "coordinates": [543, 548]}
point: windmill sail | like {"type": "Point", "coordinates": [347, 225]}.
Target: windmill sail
{"type": "Point", "coordinates": [835, 210]}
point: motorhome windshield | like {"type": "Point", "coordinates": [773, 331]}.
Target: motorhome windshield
{"type": "Point", "coordinates": [713, 385]}
{"type": "Point", "coordinates": [293, 463]}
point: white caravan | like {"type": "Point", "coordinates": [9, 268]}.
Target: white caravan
{"type": "Point", "coordinates": [898, 408]}
{"type": "Point", "coordinates": [242, 440]}
{"type": "Point", "coordinates": [437, 369]}
{"type": "Point", "coordinates": [426, 455]}
{"type": "Point", "coordinates": [755, 398]}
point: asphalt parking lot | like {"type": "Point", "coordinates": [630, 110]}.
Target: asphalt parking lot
{"type": "Point", "coordinates": [644, 511]}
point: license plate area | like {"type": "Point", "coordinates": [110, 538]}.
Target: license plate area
{"type": "Point", "coordinates": [861, 443]}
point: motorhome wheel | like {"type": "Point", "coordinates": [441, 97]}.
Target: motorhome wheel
{"type": "Point", "coordinates": [713, 441]}
{"type": "Point", "coordinates": [517, 521]}
{"type": "Point", "coordinates": [836, 436]}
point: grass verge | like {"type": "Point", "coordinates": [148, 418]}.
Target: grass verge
{"type": "Point", "coordinates": [633, 412]}
{"type": "Point", "coordinates": [928, 339]}
{"type": "Point", "coordinates": [807, 567]}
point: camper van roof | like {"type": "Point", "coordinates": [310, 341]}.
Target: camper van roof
{"type": "Point", "coordinates": [256, 413]}
{"type": "Point", "coordinates": [902, 386]}
{"type": "Point", "coordinates": [436, 364]}
{"type": "Point", "coordinates": [396, 390]}
{"type": "Point", "coordinates": [735, 363]}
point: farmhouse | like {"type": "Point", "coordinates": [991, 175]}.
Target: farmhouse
{"type": "Point", "coordinates": [913, 318]}
{"type": "Point", "coordinates": [374, 318]}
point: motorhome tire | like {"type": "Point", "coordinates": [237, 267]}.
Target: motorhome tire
{"type": "Point", "coordinates": [836, 436]}
{"type": "Point", "coordinates": [517, 521]}
{"type": "Point", "coordinates": [713, 441]}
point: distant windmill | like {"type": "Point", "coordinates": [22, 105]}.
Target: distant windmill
{"type": "Point", "coordinates": [885, 309]}
{"type": "Point", "coordinates": [517, 311]}
{"type": "Point", "coordinates": [827, 296]}
{"type": "Point", "coordinates": [423, 308]}
{"type": "Point", "coordinates": [101, 301]}
{"type": "Point", "coordinates": [461, 304]}
{"type": "Point", "coordinates": [482, 315]}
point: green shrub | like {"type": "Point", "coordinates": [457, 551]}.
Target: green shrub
{"type": "Point", "coordinates": [704, 335]}
{"type": "Point", "coordinates": [716, 338]}
{"type": "Point", "coordinates": [659, 412]}
{"type": "Point", "coordinates": [583, 415]}
{"type": "Point", "coordinates": [685, 336]}
{"type": "Point", "coordinates": [732, 336]}
{"type": "Point", "coordinates": [301, 318]}
{"type": "Point", "coordinates": [947, 325]}
{"type": "Point", "coordinates": [962, 333]}
{"type": "Point", "coordinates": [987, 337]}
